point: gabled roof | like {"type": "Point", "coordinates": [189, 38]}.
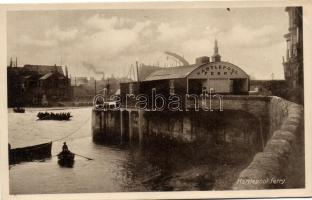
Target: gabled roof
{"type": "Point", "coordinates": [171, 73]}
{"type": "Point", "coordinates": [197, 70]}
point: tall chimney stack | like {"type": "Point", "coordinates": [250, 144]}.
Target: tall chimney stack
{"type": "Point", "coordinates": [11, 62]}
{"type": "Point", "coordinates": [66, 72]}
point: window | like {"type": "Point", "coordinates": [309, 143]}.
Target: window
{"type": "Point", "coordinates": [225, 73]}
{"type": "Point", "coordinates": [211, 73]}
{"type": "Point", "coordinates": [218, 73]}
{"type": "Point", "coordinates": [171, 87]}
{"type": "Point", "coordinates": [294, 50]}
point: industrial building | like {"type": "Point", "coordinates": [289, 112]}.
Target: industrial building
{"type": "Point", "coordinates": [205, 76]}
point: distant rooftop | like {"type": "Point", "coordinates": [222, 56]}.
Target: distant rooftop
{"type": "Point", "coordinates": [171, 73]}
{"type": "Point", "coordinates": [44, 69]}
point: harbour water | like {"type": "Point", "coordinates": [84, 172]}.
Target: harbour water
{"type": "Point", "coordinates": [113, 168]}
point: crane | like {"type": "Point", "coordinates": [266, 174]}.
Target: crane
{"type": "Point", "coordinates": [178, 57]}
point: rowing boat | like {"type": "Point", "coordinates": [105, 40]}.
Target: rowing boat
{"type": "Point", "coordinates": [30, 153]}
{"type": "Point", "coordinates": [66, 159]}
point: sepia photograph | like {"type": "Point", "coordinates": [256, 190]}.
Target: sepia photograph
{"type": "Point", "coordinates": [155, 99]}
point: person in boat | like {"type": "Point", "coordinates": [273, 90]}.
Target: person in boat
{"type": "Point", "coordinates": [65, 148]}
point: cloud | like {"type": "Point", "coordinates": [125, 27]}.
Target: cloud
{"type": "Point", "coordinates": [111, 43]}
{"type": "Point", "coordinates": [61, 35]}
{"type": "Point", "coordinates": [243, 36]}
{"type": "Point", "coordinates": [169, 33]}
{"type": "Point", "coordinates": [51, 38]}
{"type": "Point", "coordinates": [27, 41]}
{"type": "Point", "coordinates": [112, 35]}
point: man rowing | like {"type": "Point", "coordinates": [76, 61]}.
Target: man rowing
{"type": "Point", "coordinates": [65, 148]}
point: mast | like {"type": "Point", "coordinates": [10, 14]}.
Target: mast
{"type": "Point", "coordinates": [137, 70]}
{"type": "Point", "coordinates": [138, 79]}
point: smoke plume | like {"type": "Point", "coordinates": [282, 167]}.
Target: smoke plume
{"type": "Point", "coordinates": [91, 67]}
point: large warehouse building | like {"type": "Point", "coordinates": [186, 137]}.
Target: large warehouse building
{"type": "Point", "coordinates": [204, 76]}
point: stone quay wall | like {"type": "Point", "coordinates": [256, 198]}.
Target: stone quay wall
{"type": "Point", "coordinates": [274, 167]}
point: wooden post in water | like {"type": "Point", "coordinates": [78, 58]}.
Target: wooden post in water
{"type": "Point", "coordinates": [140, 112]}
{"type": "Point", "coordinates": [121, 126]}
{"type": "Point", "coordinates": [130, 127]}
{"type": "Point", "coordinates": [101, 120]}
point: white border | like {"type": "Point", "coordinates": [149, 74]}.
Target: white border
{"type": "Point", "coordinates": [307, 13]}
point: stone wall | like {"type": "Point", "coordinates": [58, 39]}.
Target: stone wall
{"type": "Point", "coordinates": [175, 126]}
{"type": "Point", "coordinates": [280, 135]}
{"type": "Point", "coordinates": [274, 166]}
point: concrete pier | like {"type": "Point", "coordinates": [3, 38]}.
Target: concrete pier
{"type": "Point", "coordinates": [245, 123]}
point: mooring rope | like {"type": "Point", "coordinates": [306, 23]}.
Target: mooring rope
{"type": "Point", "coordinates": [69, 134]}
{"type": "Point", "coordinates": [73, 132]}
{"type": "Point", "coordinates": [43, 145]}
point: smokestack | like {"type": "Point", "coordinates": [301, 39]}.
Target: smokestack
{"type": "Point", "coordinates": [202, 60]}
{"type": "Point", "coordinates": [66, 72]}
{"type": "Point", "coordinates": [11, 62]}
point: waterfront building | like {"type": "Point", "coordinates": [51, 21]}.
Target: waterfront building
{"type": "Point", "coordinates": [205, 76]}
{"type": "Point", "coordinates": [37, 84]}
{"type": "Point", "coordinates": [293, 64]}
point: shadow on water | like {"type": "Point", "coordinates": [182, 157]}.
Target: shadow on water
{"type": "Point", "coordinates": [66, 164]}
{"type": "Point", "coordinates": [172, 166]}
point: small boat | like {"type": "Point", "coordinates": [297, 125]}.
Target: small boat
{"type": "Point", "coordinates": [30, 153]}
{"type": "Point", "coordinates": [54, 116]}
{"type": "Point", "coordinates": [66, 159]}
{"type": "Point", "coordinates": [19, 110]}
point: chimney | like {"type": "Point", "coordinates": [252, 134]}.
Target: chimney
{"type": "Point", "coordinates": [202, 60]}
{"type": "Point", "coordinates": [66, 72]}
{"type": "Point", "coordinates": [11, 62]}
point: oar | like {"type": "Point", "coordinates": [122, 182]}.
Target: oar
{"type": "Point", "coordinates": [83, 156]}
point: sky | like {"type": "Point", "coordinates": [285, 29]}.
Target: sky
{"type": "Point", "coordinates": [112, 40]}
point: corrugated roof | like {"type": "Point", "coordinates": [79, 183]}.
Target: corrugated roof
{"type": "Point", "coordinates": [171, 73]}
{"type": "Point", "coordinates": [46, 76]}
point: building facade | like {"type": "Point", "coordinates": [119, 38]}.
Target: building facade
{"type": "Point", "coordinates": [293, 64]}
{"type": "Point", "coordinates": [37, 85]}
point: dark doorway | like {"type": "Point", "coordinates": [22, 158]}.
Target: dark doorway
{"type": "Point", "coordinates": [238, 86]}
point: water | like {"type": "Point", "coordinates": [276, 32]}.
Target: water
{"type": "Point", "coordinates": [114, 168]}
